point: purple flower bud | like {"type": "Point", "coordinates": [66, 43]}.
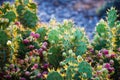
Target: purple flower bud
{"type": "Point", "coordinates": [37, 35]}
{"type": "Point", "coordinates": [31, 46]}
{"type": "Point", "coordinates": [107, 56]}
{"type": "Point", "coordinates": [113, 55]}
{"type": "Point", "coordinates": [36, 65]}
{"type": "Point", "coordinates": [12, 66]}
{"type": "Point", "coordinates": [32, 34]}
{"type": "Point", "coordinates": [21, 61]}
{"type": "Point", "coordinates": [22, 78]}
{"type": "Point", "coordinates": [40, 50]}
{"type": "Point", "coordinates": [91, 50]}
{"type": "Point", "coordinates": [111, 69]}
{"type": "Point", "coordinates": [17, 23]}
{"type": "Point", "coordinates": [44, 47]}
{"type": "Point", "coordinates": [39, 75]}
{"type": "Point", "coordinates": [45, 72]}
{"type": "Point", "coordinates": [105, 52]}
{"type": "Point", "coordinates": [45, 43]}
{"type": "Point", "coordinates": [99, 55]}
{"type": "Point", "coordinates": [106, 65]}
{"type": "Point", "coordinates": [26, 41]}
{"type": "Point", "coordinates": [45, 66]}
{"type": "Point", "coordinates": [119, 49]}
{"type": "Point", "coordinates": [7, 76]}
{"type": "Point", "coordinates": [27, 73]}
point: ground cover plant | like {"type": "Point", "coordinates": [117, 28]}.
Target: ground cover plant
{"type": "Point", "coordinates": [31, 50]}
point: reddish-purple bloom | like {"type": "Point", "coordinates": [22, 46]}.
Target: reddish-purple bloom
{"type": "Point", "coordinates": [37, 35]}
{"type": "Point", "coordinates": [31, 46]}
{"type": "Point", "coordinates": [105, 52]}
{"type": "Point", "coordinates": [106, 65]}
{"type": "Point", "coordinates": [26, 41]}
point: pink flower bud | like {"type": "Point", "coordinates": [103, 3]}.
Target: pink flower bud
{"type": "Point", "coordinates": [12, 66]}
{"type": "Point", "coordinates": [37, 35]}
{"type": "Point", "coordinates": [27, 73]}
{"type": "Point", "coordinates": [44, 47]}
{"type": "Point", "coordinates": [113, 55]}
{"type": "Point", "coordinates": [45, 43]}
{"type": "Point", "coordinates": [31, 46]}
{"type": "Point", "coordinates": [45, 72]}
{"type": "Point", "coordinates": [21, 62]}
{"type": "Point", "coordinates": [106, 65]}
{"type": "Point", "coordinates": [107, 56]}
{"type": "Point", "coordinates": [99, 55]}
{"type": "Point", "coordinates": [22, 78]}
{"type": "Point", "coordinates": [119, 49]}
{"type": "Point", "coordinates": [40, 50]}
{"type": "Point", "coordinates": [39, 75]}
{"type": "Point", "coordinates": [36, 65]}
{"type": "Point", "coordinates": [17, 23]}
{"type": "Point", "coordinates": [111, 69]}
{"type": "Point", "coordinates": [26, 41]}
{"type": "Point", "coordinates": [32, 34]}
{"type": "Point", "coordinates": [105, 52]}
{"type": "Point", "coordinates": [45, 66]}
{"type": "Point", "coordinates": [8, 76]}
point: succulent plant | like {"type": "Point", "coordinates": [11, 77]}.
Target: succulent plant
{"type": "Point", "coordinates": [3, 38]}
{"type": "Point", "coordinates": [42, 31]}
{"type": "Point", "coordinates": [20, 9]}
{"type": "Point", "coordinates": [106, 32]}
{"type": "Point", "coordinates": [54, 76]}
{"type": "Point", "coordinates": [85, 67]}
{"type": "Point", "coordinates": [29, 19]}
{"type": "Point", "coordinates": [10, 15]}
{"type": "Point", "coordinates": [112, 17]}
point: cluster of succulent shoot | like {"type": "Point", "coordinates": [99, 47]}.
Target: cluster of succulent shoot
{"type": "Point", "coordinates": [31, 67]}
{"type": "Point", "coordinates": [64, 37]}
{"type": "Point", "coordinates": [57, 51]}
{"type": "Point", "coordinates": [73, 67]}
{"type": "Point", "coordinates": [107, 32]}
{"type": "Point", "coordinates": [104, 62]}
{"type": "Point", "coordinates": [32, 64]}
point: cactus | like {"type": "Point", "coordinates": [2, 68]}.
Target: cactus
{"type": "Point", "coordinates": [42, 31]}
{"type": "Point", "coordinates": [27, 16]}
{"type": "Point", "coordinates": [112, 17]}
{"type": "Point", "coordinates": [81, 48]}
{"type": "Point", "coordinates": [107, 32]}
{"type": "Point", "coordinates": [54, 76]}
{"type": "Point", "coordinates": [10, 15]}
{"type": "Point", "coordinates": [102, 27]}
{"type": "Point", "coordinates": [20, 9]}
{"type": "Point", "coordinates": [68, 74]}
{"type": "Point", "coordinates": [53, 36]}
{"type": "Point", "coordinates": [85, 67]}
{"type": "Point", "coordinates": [52, 57]}
{"type": "Point", "coordinates": [6, 6]}
{"type": "Point", "coordinates": [118, 36]}
{"type": "Point", "coordinates": [3, 38]}
{"type": "Point", "coordinates": [29, 19]}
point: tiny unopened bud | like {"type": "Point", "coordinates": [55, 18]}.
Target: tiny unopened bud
{"type": "Point", "coordinates": [9, 42]}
